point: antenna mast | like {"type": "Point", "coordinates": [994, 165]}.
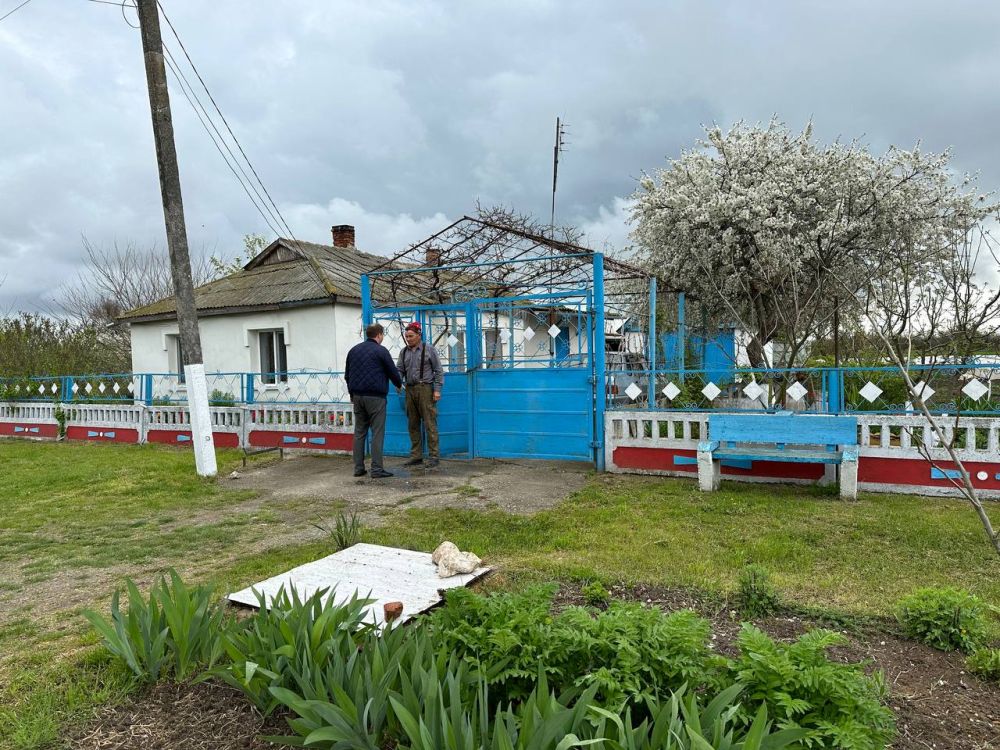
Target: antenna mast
{"type": "Point", "coordinates": [556, 150]}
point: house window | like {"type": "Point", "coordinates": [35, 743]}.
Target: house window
{"type": "Point", "coordinates": [175, 356]}
{"type": "Point", "coordinates": [273, 359]}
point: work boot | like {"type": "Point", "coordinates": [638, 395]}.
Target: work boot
{"type": "Point", "coordinates": [432, 463]}
{"type": "Point", "coordinates": [359, 472]}
{"type": "Point", "coordinates": [413, 461]}
{"type": "Point", "coordinates": [381, 474]}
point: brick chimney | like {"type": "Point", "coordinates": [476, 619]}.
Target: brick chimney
{"type": "Point", "coordinates": [343, 235]}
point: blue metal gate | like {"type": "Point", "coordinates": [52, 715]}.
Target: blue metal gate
{"type": "Point", "coordinates": [519, 376]}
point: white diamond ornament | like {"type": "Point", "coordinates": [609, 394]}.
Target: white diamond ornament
{"type": "Point", "coordinates": [529, 334]}
{"type": "Point", "coordinates": [505, 336]}
{"type": "Point", "coordinates": [116, 387]}
{"type": "Point", "coordinates": [101, 388]}
{"type": "Point", "coordinates": [41, 390]}
{"type": "Point", "coordinates": [870, 392]}
{"type": "Point", "coordinates": [670, 391]}
{"type": "Point", "coordinates": [633, 391]}
{"type": "Point", "coordinates": [75, 388]}
{"type": "Point", "coordinates": [796, 390]}
{"type": "Point", "coordinates": [924, 391]}
{"type": "Point", "coordinates": [131, 388]}
{"type": "Point", "coordinates": [452, 340]}
{"type": "Point", "coordinates": [554, 330]}
{"type": "Point", "coordinates": [975, 390]}
{"type": "Point", "coordinates": [54, 388]}
{"type": "Point", "coordinates": [752, 391]}
{"type": "Point", "coordinates": [711, 391]}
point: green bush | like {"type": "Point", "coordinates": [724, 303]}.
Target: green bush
{"type": "Point", "coordinates": [755, 594]}
{"type": "Point", "coordinates": [800, 687]}
{"type": "Point", "coordinates": [945, 618]}
{"type": "Point", "coordinates": [221, 398]}
{"type": "Point", "coordinates": [595, 594]}
{"type": "Point", "coordinates": [631, 653]}
{"type": "Point", "coordinates": [177, 629]}
{"type": "Point", "coordinates": [985, 662]}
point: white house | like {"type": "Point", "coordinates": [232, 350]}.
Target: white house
{"type": "Point", "coordinates": [296, 308]}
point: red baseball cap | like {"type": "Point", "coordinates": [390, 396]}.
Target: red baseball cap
{"type": "Point", "coordinates": [414, 326]}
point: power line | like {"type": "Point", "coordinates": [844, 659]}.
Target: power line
{"type": "Point", "coordinates": [180, 77]}
{"type": "Point", "coordinates": [223, 117]}
{"type": "Point", "coordinates": [12, 12]}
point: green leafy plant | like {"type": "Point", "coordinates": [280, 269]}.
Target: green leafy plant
{"type": "Point", "coordinates": [629, 652]}
{"type": "Point", "coordinates": [945, 618]}
{"type": "Point", "coordinates": [596, 594]}
{"type": "Point", "coordinates": [985, 662]}
{"type": "Point", "coordinates": [346, 531]}
{"type": "Point", "coordinates": [755, 595]}
{"type": "Point", "coordinates": [176, 629]}
{"type": "Point", "coordinates": [291, 643]}
{"type": "Point", "coordinates": [838, 705]}
{"type": "Point", "coordinates": [221, 398]}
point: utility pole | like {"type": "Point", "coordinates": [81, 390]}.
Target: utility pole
{"type": "Point", "coordinates": [180, 261]}
{"type": "Point", "coordinates": [556, 150]}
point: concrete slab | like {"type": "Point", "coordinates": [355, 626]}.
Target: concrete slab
{"type": "Point", "coordinates": [385, 574]}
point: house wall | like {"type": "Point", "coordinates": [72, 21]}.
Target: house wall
{"type": "Point", "coordinates": [315, 339]}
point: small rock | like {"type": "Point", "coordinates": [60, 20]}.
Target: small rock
{"type": "Point", "coordinates": [235, 475]}
{"type": "Point", "coordinates": [392, 611]}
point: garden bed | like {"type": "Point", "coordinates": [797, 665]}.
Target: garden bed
{"type": "Point", "coordinates": [936, 702]}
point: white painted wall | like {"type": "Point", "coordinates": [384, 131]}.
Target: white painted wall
{"type": "Point", "coordinates": [315, 339]}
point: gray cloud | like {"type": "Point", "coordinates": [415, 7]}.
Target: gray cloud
{"type": "Point", "coordinates": [398, 115]}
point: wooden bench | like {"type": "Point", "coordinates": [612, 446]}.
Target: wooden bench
{"type": "Point", "coordinates": [784, 437]}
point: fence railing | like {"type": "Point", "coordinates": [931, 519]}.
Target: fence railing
{"type": "Point", "coordinates": [169, 389]}
{"type": "Point", "coordinates": [969, 388]}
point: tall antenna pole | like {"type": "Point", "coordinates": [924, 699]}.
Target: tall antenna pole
{"type": "Point", "coordinates": [177, 244]}
{"type": "Point", "coordinates": [556, 150]}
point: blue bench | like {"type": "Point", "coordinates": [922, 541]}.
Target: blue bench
{"type": "Point", "coordinates": [784, 437]}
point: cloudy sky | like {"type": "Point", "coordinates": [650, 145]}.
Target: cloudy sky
{"type": "Point", "coordinates": [398, 115]}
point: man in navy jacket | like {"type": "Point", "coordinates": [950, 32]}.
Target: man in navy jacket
{"type": "Point", "coordinates": [368, 372]}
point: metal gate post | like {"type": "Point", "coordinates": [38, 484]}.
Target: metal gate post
{"type": "Point", "coordinates": [600, 360]}
{"type": "Point", "coordinates": [366, 301]}
{"type": "Point", "coordinates": [651, 339]}
{"type": "Point", "coordinates": [473, 361]}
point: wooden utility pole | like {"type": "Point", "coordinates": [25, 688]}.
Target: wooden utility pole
{"type": "Point", "coordinates": [173, 214]}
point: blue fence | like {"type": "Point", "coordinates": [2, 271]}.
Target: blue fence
{"type": "Point", "coordinates": [970, 388]}
{"type": "Point", "coordinates": [161, 389]}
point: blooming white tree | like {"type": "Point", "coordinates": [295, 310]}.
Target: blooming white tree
{"type": "Point", "coordinates": [754, 222]}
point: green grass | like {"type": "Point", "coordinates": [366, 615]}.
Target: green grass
{"type": "Point", "coordinates": [856, 557]}
{"type": "Point", "coordinates": [88, 510]}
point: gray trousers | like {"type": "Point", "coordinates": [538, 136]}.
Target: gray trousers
{"type": "Point", "coordinates": [369, 414]}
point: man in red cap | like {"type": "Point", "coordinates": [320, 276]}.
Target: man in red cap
{"type": "Point", "coordinates": [420, 368]}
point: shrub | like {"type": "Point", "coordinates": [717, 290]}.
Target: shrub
{"type": "Point", "coordinates": [346, 531]}
{"type": "Point", "coordinates": [801, 688]}
{"type": "Point", "coordinates": [631, 653]}
{"type": "Point", "coordinates": [221, 398]}
{"type": "Point", "coordinates": [755, 594]}
{"type": "Point", "coordinates": [595, 594]}
{"type": "Point", "coordinates": [985, 662]}
{"type": "Point", "coordinates": [178, 629]}
{"type": "Point", "coordinates": [945, 618]}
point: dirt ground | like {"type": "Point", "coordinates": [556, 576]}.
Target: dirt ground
{"type": "Point", "coordinates": [938, 706]}
{"type": "Point", "coordinates": [519, 487]}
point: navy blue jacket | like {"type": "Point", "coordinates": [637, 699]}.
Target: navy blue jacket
{"type": "Point", "coordinates": [369, 370]}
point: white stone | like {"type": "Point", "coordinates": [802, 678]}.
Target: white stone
{"type": "Point", "coordinates": [450, 560]}
{"type": "Point", "coordinates": [924, 391]}
{"type": "Point", "coordinates": [633, 391]}
{"type": "Point", "coordinates": [870, 392]}
{"type": "Point", "coordinates": [752, 390]}
{"type": "Point", "coordinates": [797, 391]}
{"type": "Point", "coordinates": [452, 341]}
{"type": "Point", "coordinates": [975, 390]}
{"type": "Point", "coordinates": [554, 330]}
{"type": "Point", "coordinates": [711, 391]}
{"type": "Point", "coordinates": [670, 391]}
